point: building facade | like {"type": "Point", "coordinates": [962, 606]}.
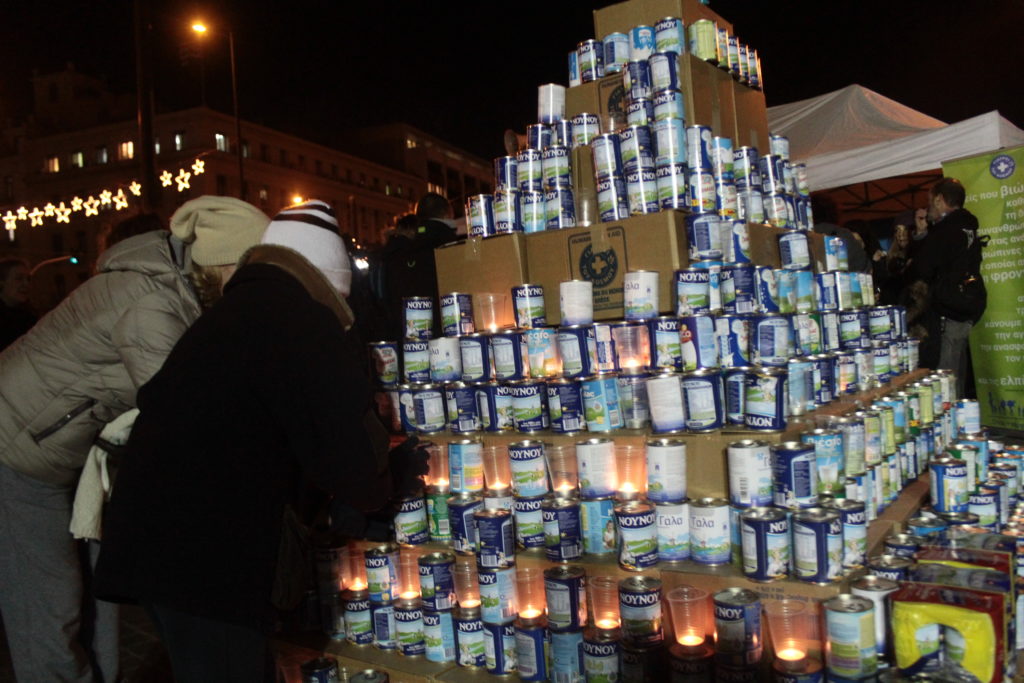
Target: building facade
{"type": "Point", "coordinates": [64, 179]}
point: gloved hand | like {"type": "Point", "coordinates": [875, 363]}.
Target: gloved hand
{"type": "Point", "coordinates": [408, 464]}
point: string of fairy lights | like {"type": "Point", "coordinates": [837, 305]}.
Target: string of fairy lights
{"type": "Point", "coordinates": [118, 199]}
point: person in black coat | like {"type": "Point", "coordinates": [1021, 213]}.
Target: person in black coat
{"type": "Point", "coordinates": [16, 318]}
{"type": "Point", "coordinates": [257, 394]}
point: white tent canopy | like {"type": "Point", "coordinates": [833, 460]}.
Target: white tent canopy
{"type": "Point", "coordinates": [854, 135]}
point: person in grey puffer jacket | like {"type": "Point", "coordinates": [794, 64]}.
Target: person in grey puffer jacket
{"type": "Point", "coordinates": [60, 383]}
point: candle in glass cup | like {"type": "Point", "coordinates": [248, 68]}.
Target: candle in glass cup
{"type": "Point", "coordinates": [562, 469]}
{"type": "Point", "coordinates": [631, 463]}
{"type": "Point", "coordinates": [437, 464]}
{"type": "Point", "coordinates": [497, 470]}
{"type": "Point", "coordinates": [409, 573]}
{"type": "Point", "coordinates": [604, 596]}
{"type": "Point", "coordinates": [467, 590]}
{"type": "Point", "coordinates": [632, 348]}
{"type": "Point", "coordinates": [690, 609]}
{"type": "Point", "coordinates": [530, 592]}
{"type": "Point", "coordinates": [791, 625]}
{"type": "Point", "coordinates": [356, 568]}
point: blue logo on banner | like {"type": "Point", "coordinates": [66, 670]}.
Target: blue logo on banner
{"type": "Point", "coordinates": [1002, 167]}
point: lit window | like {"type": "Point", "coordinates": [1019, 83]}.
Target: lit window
{"type": "Point", "coordinates": [102, 155]}
{"type": "Point", "coordinates": [126, 150]}
{"type": "Point", "coordinates": [77, 160]}
{"type": "Point", "coordinates": [156, 146]}
{"type": "Point", "coordinates": [179, 141]}
{"type": "Point", "coordinates": [387, 188]}
{"type": "Point", "coordinates": [263, 194]}
{"type": "Point", "coordinates": [245, 148]}
{"type": "Point", "coordinates": [410, 143]}
{"type": "Point", "coordinates": [52, 164]}
{"type": "Point", "coordinates": [220, 141]}
{"type": "Point", "coordinates": [398, 191]}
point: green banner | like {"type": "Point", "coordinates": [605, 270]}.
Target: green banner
{"type": "Point", "coordinates": [995, 194]}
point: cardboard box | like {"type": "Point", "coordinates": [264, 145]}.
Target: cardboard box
{"type": "Point", "coordinates": [751, 117]}
{"type": "Point", "coordinates": [708, 92]}
{"type": "Point", "coordinates": [603, 253]}
{"type": "Point", "coordinates": [764, 246]}
{"type": "Point", "coordinates": [496, 264]}
{"type": "Point", "coordinates": [604, 96]}
{"type": "Point", "coordinates": [625, 15]}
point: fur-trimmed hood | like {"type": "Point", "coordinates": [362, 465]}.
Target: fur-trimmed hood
{"type": "Point", "coordinates": [296, 265]}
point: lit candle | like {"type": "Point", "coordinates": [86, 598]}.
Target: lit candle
{"type": "Point", "coordinates": [441, 482]}
{"type": "Point", "coordinates": [608, 624]}
{"type": "Point", "coordinates": [691, 639]}
{"type": "Point", "coordinates": [790, 654]}
{"type": "Point", "coordinates": [358, 585]}
{"type": "Point", "coordinates": [630, 363]}
{"type": "Point", "coordinates": [529, 613]}
{"type": "Point", "coordinates": [627, 487]}
{"type": "Point", "coordinates": [409, 595]}
{"type": "Point", "coordinates": [565, 490]}
{"type": "Point", "coordinates": [493, 328]}
{"type": "Point", "coordinates": [552, 366]}
{"type": "Point", "coordinates": [469, 602]}
{"type": "Point", "coordinates": [498, 485]}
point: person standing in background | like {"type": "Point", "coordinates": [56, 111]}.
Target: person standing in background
{"type": "Point", "coordinates": [16, 318]}
{"type": "Point", "coordinates": [71, 374]}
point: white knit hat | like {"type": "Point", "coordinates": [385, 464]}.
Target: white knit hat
{"type": "Point", "coordinates": [311, 229]}
{"type": "Point", "coordinates": [220, 229]}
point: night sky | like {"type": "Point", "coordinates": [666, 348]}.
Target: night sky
{"type": "Point", "coordinates": [468, 71]}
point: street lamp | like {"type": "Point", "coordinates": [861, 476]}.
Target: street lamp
{"type": "Point", "coordinates": [201, 29]}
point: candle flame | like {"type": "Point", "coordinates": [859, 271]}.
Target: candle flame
{"type": "Point", "coordinates": [608, 623]}
{"type": "Point", "coordinates": [631, 363]}
{"type": "Point", "coordinates": [529, 613]}
{"type": "Point", "coordinates": [791, 654]}
{"type": "Point", "coordinates": [409, 595]}
{"type": "Point", "coordinates": [690, 639]}
{"type": "Point", "coordinates": [470, 602]}
{"type": "Point", "coordinates": [493, 327]}
{"type": "Point", "coordinates": [440, 482]}
{"type": "Point", "coordinates": [498, 485]}
{"type": "Point", "coordinates": [627, 487]}
{"type": "Point", "coordinates": [358, 585]}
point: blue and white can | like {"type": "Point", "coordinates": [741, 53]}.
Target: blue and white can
{"type": "Point", "coordinates": [416, 361]}
{"type": "Point", "coordinates": [528, 306]}
{"type": "Point", "coordinates": [529, 522]}
{"type": "Point", "coordinates": [445, 359]}
{"type": "Point", "coordinates": [701, 191]}
{"type": "Point", "coordinates": [636, 149]}
{"type": "Point", "coordinates": [384, 632]}
{"type": "Point", "coordinates": [529, 471]}
{"type": "Point", "coordinates": [480, 215]}
{"type": "Point", "coordinates": [765, 543]}
{"type": "Point", "coordinates": [429, 410]}
{"type": "Point", "coordinates": [532, 648]}
{"type": "Point", "coordinates": [612, 199]}
{"type": "Point", "coordinates": [771, 343]}
{"type": "Point", "coordinates": [601, 403]}
{"type": "Point", "coordinates": [703, 396]}
{"type": "Point", "coordinates": [767, 289]}
{"type": "Point", "coordinates": [642, 192]}
{"type": "Point", "coordinates": [508, 350]}
{"type": "Point", "coordinates": [732, 333]}
{"type": "Point", "coordinates": [710, 535]}
{"type": "Point", "coordinates": [460, 511]}
{"type": "Point", "coordinates": [358, 618]}
{"type": "Point", "coordinates": [669, 35]}
{"type": "Point", "coordinates": [585, 127]}
{"type": "Point", "coordinates": [673, 531]}
{"type": "Point", "coordinates": [641, 41]}
{"type": "Point", "coordinates": [817, 545]}
{"type": "Point", "coordinates": [666, 470]}
{"type": "Point", "coordinates": [530, 170]}
{"type": "Point", "coordinates": [665, 400]}
{"type": "Point", "coordinates": [532, 211]}
{"type": "Point", "coordinates": [437, 581]}
{"type": "Point", "coordinates": [698, 148]}
{"type": "Point", "coordinates": [829, 459]}
{"type": "Point", "coordinates": [565, 591]}
{"type": "Point", "coordinates": [738, 637]}
{"type": "Point", "coordinates": [669, 138]}
{"type": "Point", "coordinates": [411, 522]}
{"type": "Point", "coordinates": [465, 466]}
{"type": "Point", "coordinates": [600, 655]}
{"type": "Point", "coordinates": [505, 175]}
{"type": "Point", "coordinates": [574, 69]}
{"type": "Point", "coordinates": [507, 216]}
{"type": "Point", "coordinates": [607, 152]}
{"type": "Point", "coordinates": [559, 208]}
{"type": "Point", "coordinates": [668, 104]}
{"type": "Point", "coordinates": [565, 406]}
{"type": "Point", "coordinates": [640, 295]}
{"type": "Point", "coordinates": [734, 380]}
{"type": "Point", "coordinates": [794, 251]}
{"type": "Point", "coordinates": [664, 71]}
{"type": "Point", "coordinates": [853, 515]}
{"type": "Point", "coordinates": [666, 351]}
{"type": "Point", "coordinates": [637, 524]}
{"type": "Point", "coordinates": [722, 157]}
{"type": "Point", "coordinates": [457, 314]}
{"type": "Point", "coordinates": [672, 190]}
{"type": "Point", "coordinates": [562, 133]}
{"type": "Point", "coordinates": [764, 400]}
{"type": "Point", "coordinates": [439, 636]}
{"type": "Point", "coordinates": [563, 539]}
{"type": "Point", "coordinates": [577, 347]}
{"type": "Point", "coordinates": [555, 166]}
{"type": "Point", "coordinates": [704, 235]}
{"type": "Point", "coordinates": [743, 297]}
{"type": "Point", "coordinates": [794, 475]}
{"type": "Point", "coordinates": [408, 615]}
{"type": "Point", "coordinates": [636, 78]}
{"type": "Point", "coordinates": [497, 594]}
{"type": "Point", "coordinates": [692, 289]}
{"type": "Point", "coordinates": [698, 346]}
{"type": "Point", "coordinates": [597, 469]}
{"type": "Point", "coordinates": [616, 52]}
{"type": "Point", "coordinates": [475, 352]}
{"type": "Point", "coordinates": [381, 564]}
{"type": "Point", "coordinates": [469, 638]}
{"type": "Point", "coordinates": [750, 473]}
{"type": "Point", "coordinates": [597, 525]}
{"type": "Point", "coordinates": [496, 538]}
{"type": "Point", "coordinates": [500, 648]}
{"type": "Point", "coordinates": [640, 609]}
{"type": "Point", "coordinates": [529, 405]}
{"type": "Point", "coordinates": [590, 57]}
{"type": "Point", "coordinates": [640, 112]}
{"type": "Point", "coordinates": [949, 485]}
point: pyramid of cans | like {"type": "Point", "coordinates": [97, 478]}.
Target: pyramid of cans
{"type": "Point", "coordinates": [970, 538]}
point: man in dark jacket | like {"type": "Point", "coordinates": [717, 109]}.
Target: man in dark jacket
{"type": "Point", "coordinates": [255, 395]}
{"type": "Point", "coordinates": [953, 231]}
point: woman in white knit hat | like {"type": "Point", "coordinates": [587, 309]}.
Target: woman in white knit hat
{"type": "Point", "coordinates": [60, 383]}
{"type": "Point", "coordinates": [258, 396]}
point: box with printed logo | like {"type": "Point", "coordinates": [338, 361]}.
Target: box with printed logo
{"type": "Point", "coordinates": [603, 253]}
{"type": "Point", "coordinates": [478, 266]}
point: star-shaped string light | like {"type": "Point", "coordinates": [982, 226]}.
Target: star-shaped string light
{"type": "Point", "coordinates": [135, 188]}
{"type": "Point", "coordinates": [182, 179]}
{"type": "Point", "coordinates": [91, 206]}
{"type": "Point", "coordinates": [35, 216]}
{"type": "Point", "coordinates": [166, 178]}
{"type": "Point", "coordinates": [10, 223]}
{"type": "Point", "coordinates": [48, 209]}
{"type": "Point", "coordinates": [199, 167]}
{"type": "Point", "coordinates": [120, 200]}
{"type": "Point", "coordinates": [105, 196]}
{"type": "Point", "coordinates": [22, 213]}
{"type": "Point", "coordinates": [63, 213]}
{"type": "Point", "coordinates": [76, 204]}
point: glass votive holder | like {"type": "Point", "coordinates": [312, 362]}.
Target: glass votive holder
{"type": "Point", "coordinates": [632, 347]}
{"type": "Point", "coordinates": [604, 602]}
{"type": "Point", "coordinates": [631, 464]}
{"type": "Point", "coordinates": [489, 310]}
{"type": "Point", "coordinates": [690, 609]}
{"type": "Point", "coordinates": [791, 626]}
{"type": "Point", "coordinates": [409, 573]}
{"type": "Point", "coordinates": [437, 464]}
{"type": "Point", "coordinates": [497, 469]}
{"type": "Point", "coordinates": [357, 568]}
{"type": "Point", "coordinates": [467, 590]}
{"type": "Point", "coordinates": [562, 469]}
{"type": "Point", "coordinates": [530, 597]}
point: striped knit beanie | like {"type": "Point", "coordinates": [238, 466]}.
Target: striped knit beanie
{"type": "Point", "coordinates": [311, 230]}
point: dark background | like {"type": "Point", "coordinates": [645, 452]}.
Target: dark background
{"type": "Point", "coordinates": [467, 71]}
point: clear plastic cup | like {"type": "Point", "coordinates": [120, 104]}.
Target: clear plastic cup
{"type": "Point", "coordinates": [489, 310]}
{"type": "Point", "coordinates": [792, 625]}
{"type": "Point", "coordinates": [563, 469]}
{"type": "Point", "coordinates": [604, 601]}
{"type": "Point", "coordinates": [631, 463]}
{"type": "Point", "coordinates": [497, 468]}
{"type": "Point", "coordinates": [467, 590]}
{"type": "Point", "coordinates": [690, 608]}
{"type": "Point", "coordinates": [530, 596]}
